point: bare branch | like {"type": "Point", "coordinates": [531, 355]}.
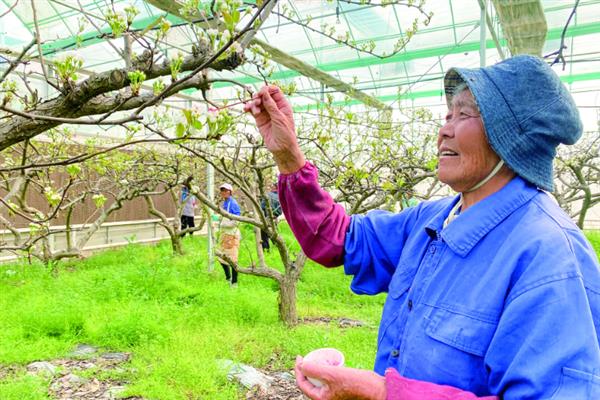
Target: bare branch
{"type": "Point", "coordinates": [10, 9]}
{"type": "Point", "coordinates": [210, 60]}
{"type": "Point", "coordinates": [15, 62]}
{"type": "Point", "coordinates": [73, 121]}
{"type": "Point", "coordinates": [37, 41]}
{"type": "Point", "coordinates": [85, 98]}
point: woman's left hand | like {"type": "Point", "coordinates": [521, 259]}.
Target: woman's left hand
{"type": "Point", "coordinates": [339, 383]}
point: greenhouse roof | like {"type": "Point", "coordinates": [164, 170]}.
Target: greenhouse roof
{"type": "Point", "coordinates": [452, 38]}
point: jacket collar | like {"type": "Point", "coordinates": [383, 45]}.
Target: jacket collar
{"type": "Point", "coordinates": [474, 223]}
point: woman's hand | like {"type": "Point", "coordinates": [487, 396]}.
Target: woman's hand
{"type": "Point", "coordinates": [275, 121]}
{"type": "Point", "coordinates": [339, 383]}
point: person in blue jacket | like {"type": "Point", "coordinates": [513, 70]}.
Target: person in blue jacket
{"type": "Point", "coordinates": [493, 292]}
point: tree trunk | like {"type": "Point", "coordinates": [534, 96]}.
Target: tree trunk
{"type": "Point", "coordinates": [587, 193]}
{"type": "Point", "coordinates": [287, 301]}
{"type": "Point", "coordinates": [585, 206]}
{"type": "Point", "coordinates": [176, 243]}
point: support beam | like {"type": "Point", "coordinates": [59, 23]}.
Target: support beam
{"type": "Point", "coordinates": [314, 73]}
{"type": "Point", "coordinates": [567, 79]}
{"type": "Point", "coordinates": [482, 33]}
{"type": "Point", "coordinates": [524, 25]}
{"type": "Point", "coordinates": [553, 34]}
{"type": "Point", "coordinates": [490, 26]}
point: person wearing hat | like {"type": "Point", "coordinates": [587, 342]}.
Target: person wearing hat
{"type": "Point", "coordinates": [229, 240]}
{"type": "Point", "coordinates": [493, 292]}
{"type": "Point", "coordinates": [270, 202]}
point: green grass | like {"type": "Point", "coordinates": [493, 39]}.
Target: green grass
{"type": "Point", "coordinates": [174, 317]}
{"type": "Point", "coordinates": [24, 387]}
{"type": "Point", "coordinates": [594, 238]}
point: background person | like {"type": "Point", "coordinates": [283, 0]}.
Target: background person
{"type": "Point", "coordinates": [189, 204]}
{"type": "Point", "coordinates": [229, 240]}
{"type": "Point", "coordinates": [271, 201]}
{"type": "Point", "coordinates": [493, 292]}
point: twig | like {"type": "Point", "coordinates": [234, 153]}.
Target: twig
{"type": "Point", "coordinates": [10, 9]}
{"type": "Point", "coordinates": [559, 53]}
{"type": "Point", "coordinates": [259, 69]}
{"type": "Point", "coordinates": [224, 48]}
{"type": "Point", "coordinates": [84, 157]}
{"type": "Point", "coordinates": [49, 217]}
{"type": "Point", "coordinates": [227, 175]}
{"type": "Point", "coordinates": [115, 108]}
{"type": "Point", "coordinates": [34, 93]}
{"type": "Point", "coordinates": [214, 105]}
{"type": "Point", "coordinates": [73, 121]}
{"type": "Point", "coordinates": [37, 40]}
{"type": "Point", "coordinates": [121, 54]}
{"type": "Point", "coordinates": [248, 89]}
{"type": "Point", "coordinates": [15, 62]}
{"type": "Point", "coordinates": [345, 42]}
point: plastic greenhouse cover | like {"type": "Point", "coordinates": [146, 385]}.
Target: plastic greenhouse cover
{"type": "Point", "coordinates": [451, 39]}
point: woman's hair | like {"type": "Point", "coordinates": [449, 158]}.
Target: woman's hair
{"type": "Point", "coordinates": [461, 87]}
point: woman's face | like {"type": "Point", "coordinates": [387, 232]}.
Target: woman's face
{"type": "Point", "coordinates": [225, 194]}
{"type": "Point", "coordinates": [465, 157]}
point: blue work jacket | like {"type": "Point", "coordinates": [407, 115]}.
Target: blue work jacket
{"type": "Point", "coordinates": [503, 301]}
{"type": "Point", "coordinates": [231, 206]}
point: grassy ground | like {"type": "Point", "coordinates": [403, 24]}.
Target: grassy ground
{"type": "Point", "coordinates": [175, 318]}
{"type": "Point", "coordinates": [594, 238]}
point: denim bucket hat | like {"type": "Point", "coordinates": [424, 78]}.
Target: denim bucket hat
{"type": "Point", "coordinates": [526, 110]}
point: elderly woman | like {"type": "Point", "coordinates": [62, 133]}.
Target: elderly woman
{"type": "Point", "coordinates": [493, 292]}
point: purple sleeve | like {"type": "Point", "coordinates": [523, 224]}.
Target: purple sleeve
{"type": "Point", "coordinates": [318, 223]}
{"type": "Point", "coordinates": [401, 388]}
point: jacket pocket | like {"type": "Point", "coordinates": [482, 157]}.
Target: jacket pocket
{"type": "Point", "coordinates": [465, 333]}
{"type": "Point", "coordinates": [577, 384]}
{"type": "Point", "coordinates": [397, 293]}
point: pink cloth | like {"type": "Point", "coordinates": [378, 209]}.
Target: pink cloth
{"type": "Point", "coordinates": [320, 226]}
{"type": "Point", "coordinates": [318, 223]}
{"type": "Point", "coordinates": [401, 388]}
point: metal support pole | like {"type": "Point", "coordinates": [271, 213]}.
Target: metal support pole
{"type": "Point", "coordinates": [2, 35]}
{"type": "Point", "coordinates": [490, 26]}
{"type": "Point", "coordinates": [210, 192]}
{"type": "Point", "coordinates": [482, 33]}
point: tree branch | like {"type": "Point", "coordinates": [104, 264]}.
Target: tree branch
{"type": "Point", "coordinates": [15, 62]}
{"type": "Point", "coordinates": [84, 99]}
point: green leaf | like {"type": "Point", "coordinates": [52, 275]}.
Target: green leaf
{"type": "Point", "coordinates": [73, 169]}
{"type": "Point", "coordinates": [180, 130]}
{"type": "Point", "coordinates": [99, 200]}
{"type": "Point", "coordinates": [227, 18]}
{"type": "Point", "coordinates": [188, 116]}
{"type": "Point", "coordinates": [197, 124]}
